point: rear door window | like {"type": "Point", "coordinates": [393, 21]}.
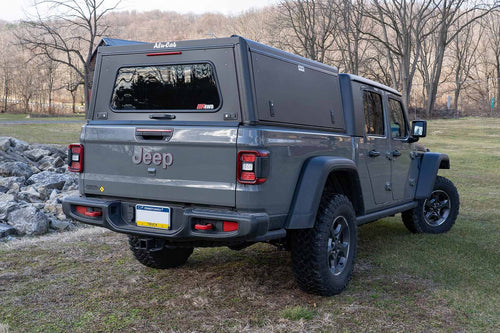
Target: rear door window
{"type": "Point", "coordinates": [166, 87]}
{"type": "Point", "coordinates": [374, 113]}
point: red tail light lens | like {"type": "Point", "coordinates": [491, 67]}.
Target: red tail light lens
{"type": "Point", "coordinates": [229, 226]}
{"type": "Point", "coordinates": [75, 158]}
{"type": "Point", "coordinates": [253, 167]}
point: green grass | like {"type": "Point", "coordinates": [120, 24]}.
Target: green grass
{"type": "Point", "coordinates": [298, 313]}
{"type": "Point", "coordinates": [88, 280]}
{"type": "Point", "coordinates": [25, 117]}
{"type": "Point", "coordinates": [43, 133]}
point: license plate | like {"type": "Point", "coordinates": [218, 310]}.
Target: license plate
{"type": "Point", "coordinates": [152, 216]}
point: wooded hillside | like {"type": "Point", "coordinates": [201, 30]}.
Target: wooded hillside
{"type": "Point", "coordinates": [435, 52]}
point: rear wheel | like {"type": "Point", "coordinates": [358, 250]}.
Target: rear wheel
{"type": "Point", "coordinates": [437, 213]}
{"type": "Point", "coordinates": [161, 258]}
{"type": "Point", "coordinates": [323, 256]}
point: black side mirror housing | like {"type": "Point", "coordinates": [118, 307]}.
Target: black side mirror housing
{"type": "Point", "coordinates": [419, 128]}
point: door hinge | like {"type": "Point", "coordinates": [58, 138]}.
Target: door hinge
{"type": "Point", "coordinates": [388, 186]}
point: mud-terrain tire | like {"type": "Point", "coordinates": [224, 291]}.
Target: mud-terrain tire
{"type": "Point", "coordinates": [168, 257]}
{"type": "Point", "coordinates": [436, 214]}
{"type": "Point", "coordinates": [323, 256]}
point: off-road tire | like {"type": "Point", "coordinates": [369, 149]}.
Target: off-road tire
{"type": "Point", "coordinates": [311, 255]}
{"type": "Point", "coordinates": [424, 217]}
{"type": "Point", "coordinates": [168, 257]}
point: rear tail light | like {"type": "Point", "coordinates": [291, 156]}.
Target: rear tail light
{"type": "Point", "coordinates": [253, 167]}
{"type": "Point", "coordinates": [75, 158]}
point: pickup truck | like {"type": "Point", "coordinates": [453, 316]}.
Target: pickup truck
{"type": "Point", "coordinates": [228, 142]}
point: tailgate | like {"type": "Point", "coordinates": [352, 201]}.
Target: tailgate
{"type": "Point", "coordinates": [184, 164]}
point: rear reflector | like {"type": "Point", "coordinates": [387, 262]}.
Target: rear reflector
{"type": "Point", "coordinates": [75, 158]}
{"type": "Point", "coordinates": [229, 226]}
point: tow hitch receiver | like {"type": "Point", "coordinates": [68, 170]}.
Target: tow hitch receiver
{"type": "Point", "coordinates": [151, 244]}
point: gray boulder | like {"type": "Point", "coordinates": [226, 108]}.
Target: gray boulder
{"type": "Point", "coordinates": [49, 180]}
{"type": "Point", "coordinates": [29, 194]}
{"type": "Point", "coordinates": [4, 143]}
{"type": "Point", "coordinates": [6, 230]}
{"type": "Point", "coordinates": [58, 162]}
{"type": "Point", "coordinates": [60, 224]}
{"type": "Point", "coordinates": [7, 205]}
{"type": "Point", "coordinates": [9, 182]}
{"type": "Point", "coordinates": [36, 154]}
{"type": "Point", "coordinates": [29, 221]}
{"type": "Point", "coordinates": [19, 169]}
{"type": "Point", "coordinates": [19, 144]}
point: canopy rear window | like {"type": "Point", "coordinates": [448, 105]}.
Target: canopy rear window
{"type": "Point", "coordinates": [166, 87]}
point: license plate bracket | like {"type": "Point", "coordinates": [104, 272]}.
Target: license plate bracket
{"type": "Point", "coordinates": [152, 216]}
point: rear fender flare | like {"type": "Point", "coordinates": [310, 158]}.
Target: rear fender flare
{"type": "Point", "coordinates": [310, 188]}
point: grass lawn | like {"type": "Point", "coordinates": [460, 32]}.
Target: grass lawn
{"type": "Point", "coordinates": [87, 280]}
{"type": "Point", "coordinates": [25, 117]}
{"type": "Point", "coordinates": [43, 133]}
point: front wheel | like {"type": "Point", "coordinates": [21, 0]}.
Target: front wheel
{"type": "Point", "coordinates": [437, 213]}
{"type": "Point", "coordinates": [323, 256]}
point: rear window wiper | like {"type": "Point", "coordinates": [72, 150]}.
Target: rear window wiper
{"type": "Point", "coordinates": [161, 116]}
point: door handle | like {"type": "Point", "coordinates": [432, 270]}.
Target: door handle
{"type": "Point", "coordinates": [396, 153]}
{"type": "Point", "coordinates": [373, 153]}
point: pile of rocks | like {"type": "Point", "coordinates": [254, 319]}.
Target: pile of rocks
{"type": "Point", "coordinates": [33, 181]}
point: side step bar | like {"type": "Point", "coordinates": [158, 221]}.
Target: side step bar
{"type": "Point", "coordinates": [372, 217]}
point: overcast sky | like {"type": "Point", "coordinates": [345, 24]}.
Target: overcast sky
{"type": "Point", "coordinates": [13, 10]}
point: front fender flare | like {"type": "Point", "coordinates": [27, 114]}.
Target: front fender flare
{"type": "Point", "coordinates": [429, 165]}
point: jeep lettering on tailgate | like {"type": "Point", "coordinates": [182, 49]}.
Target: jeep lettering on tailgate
{"type": "Point", "coordinates": [146, 157]}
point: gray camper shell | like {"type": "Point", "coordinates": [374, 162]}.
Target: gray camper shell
{"type": "Point", "coordinates": [256, 83]}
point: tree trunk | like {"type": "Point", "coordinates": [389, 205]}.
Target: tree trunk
{"type": "Point", "coordinates": [457, 95]}
{"type": "Point", "coordinates": [26, 105]}
{"type": "Point", "coordinates": [497, 101]}
{"type": "Point", "coordinates": [73, 105]}
{"type": "Point", "coordinates": [6, 96]}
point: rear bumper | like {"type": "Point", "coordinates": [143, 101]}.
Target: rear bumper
{"type": "Point", "coordinates": [251, 226]}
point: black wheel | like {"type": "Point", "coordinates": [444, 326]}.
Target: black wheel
{"type": "Point", "coordinates": [437, 213]}
{"type": "Point", "coordinates": [323, 257]}
{"type": "Point", "coordinates": [167, 257]}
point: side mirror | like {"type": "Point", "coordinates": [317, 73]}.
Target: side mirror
{"type": "Point", "coordinates": [419, 128]}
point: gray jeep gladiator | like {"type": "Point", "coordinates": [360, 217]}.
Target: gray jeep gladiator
{"type": "Point", "coordinates": [228, 142]}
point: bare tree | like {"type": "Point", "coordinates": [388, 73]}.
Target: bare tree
{"type": "Point", "coordinates": [306, 27]}
{"type": "Point", "coordinates": [348, 37]}
{"type": "Point", "coordinates": [72, 84]}
{"type": "Point", "coordinates": [68, 34]}
{"type": "Point", "coordinates": [464, 52]}
{"type": "Point", "coordinates": [453, 17]}
{"type": "Point", "coordinates": [49, 69]}
{"type": "Point", "coordinates": [251, 24]}
{"type": "Point", "coordinates": [26, 81]}
{"type": "Point", "coordinates": [401, 26]}
{"type": "Point", "coordinates": [493, 36]}
{"type": "Point", "coordinates": [6, 68]}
